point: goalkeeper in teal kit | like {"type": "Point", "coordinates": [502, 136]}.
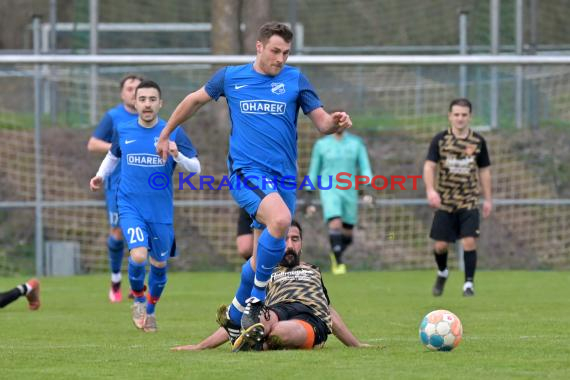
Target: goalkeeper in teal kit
{"type": "Point", "coordinates": [338, 153]}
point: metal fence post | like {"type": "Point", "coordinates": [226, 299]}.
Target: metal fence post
{"type": "Point", "coordinates": [93, 43]}
{"type": "Point", "coordinates": [495, 41]}
{"type": "Point", "coordinates": [463, 51]}
{"type": "Point", "coordinates": [519, 73]}
{"type": "Point", "coordinates": [39, 228]}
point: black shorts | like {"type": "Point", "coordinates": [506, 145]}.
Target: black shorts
{"type": "Point", "coordinates": [450, 226]}
{"type": "Point", "coordinates": [296, 310]}
{"type": "Point", "coordinates": [244, 223]}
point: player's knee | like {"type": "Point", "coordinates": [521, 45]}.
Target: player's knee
{"type": "Point", "coordinates": [335, 224]}
{"type": "Point", "coordinates": [440, 247]}
{"type": "Point", "coordinates": [469, 244]}
{"type": "Point", "coordinates": [158, 264]}
{"type": "Point", "coordinates": [280, 223]}
{"type": "Point", "coordinates": [116, 233]}
{"type": "Point", "coordinates": [244, 245]}
{"type": "Point", "coordinates": [138, 255]}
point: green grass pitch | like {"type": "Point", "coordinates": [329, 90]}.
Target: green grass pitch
{"type": "Point", "coordinates": [516, 327]}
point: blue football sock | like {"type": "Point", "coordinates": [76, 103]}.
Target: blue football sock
{"type": "Point", "coordinates": [115, 248]}
{"type": "Point", "coordinates": [270, 251]}
{"type": "Point", "coordinates": [243, 293]}
{"type": "Point", "coordinates": [137, 273]}
{"type": "Point", "coordinates": [156, 282]}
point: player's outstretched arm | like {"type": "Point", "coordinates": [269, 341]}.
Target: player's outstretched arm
{"type": "Point", "coordinates": [216, 339]}
{"type": "Point", "coordinates": [184, 111]}
{"type": "Point", "coordinates": [341, 331]}
{"type": "Point", "coordinates": [329, 123]}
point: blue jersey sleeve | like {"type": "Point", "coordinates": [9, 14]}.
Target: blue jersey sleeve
{"type": "Point", "coordinates": [104, 130]}
{"type": "Point", "coordinates": [184, 144]}
{"type": "Point", "coordinates": [308, 98]}
{"type": "Point", "coordinates": [115, 147]}
{"type": "Point", "coordinates": [215, 86]}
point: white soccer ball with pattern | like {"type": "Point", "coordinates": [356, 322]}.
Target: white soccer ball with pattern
{"type": "Point", "coordinates": [441, 330]}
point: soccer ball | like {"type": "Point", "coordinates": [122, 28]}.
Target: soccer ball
{"type": "Point", "coordinates": [441, 330]}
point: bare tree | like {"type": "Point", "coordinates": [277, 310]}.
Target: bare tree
{"type": "Point", "coordinates": [225, 27]}
{"type": "Point", "coordinates": [225, 40]}
{"type": "Point", "coordinates": [254, 13]}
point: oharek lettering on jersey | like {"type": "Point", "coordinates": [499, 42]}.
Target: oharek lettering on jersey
{"type": "Point", "coordinates": [459, 166]}
{"type": "Point", "coordinates": [262, 107]}
{"type": "Point", "coordinates": [144, 159]}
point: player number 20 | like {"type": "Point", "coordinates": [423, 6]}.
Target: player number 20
{"type": "Point", "coordinates": [136, 234]}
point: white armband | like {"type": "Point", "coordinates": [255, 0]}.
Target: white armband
{"type": "Point", "coordinates": [108, 165]}
{"type": "Point", "coordinates": [190, 165]}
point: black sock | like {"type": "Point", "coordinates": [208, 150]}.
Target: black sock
{"type": "Point", "coordinates": [441, 260]}
{"type": "Point", "coordinates": [335, 238]}
{"type": "Point", "coordinates": [470, 260]}
{"type": "Point", "coordinates": [346, 240]}
{"type": "Point", "coordinates": [10, 296]}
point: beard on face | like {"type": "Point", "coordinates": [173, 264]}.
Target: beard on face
{"type": "Point", "coordinates": [290, 259]}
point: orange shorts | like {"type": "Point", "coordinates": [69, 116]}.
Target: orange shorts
{"type": "Point", "coordinates": [310, 340]}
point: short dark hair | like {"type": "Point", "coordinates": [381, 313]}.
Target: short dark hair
{"type": "Point", "coordinates": [462, 102]}
{"type": "Point", "coordinates": [130, 77]}
{"type": "Point", "coordinates": [274, 28]}
{"type": "Point", "coordinates": [294, 223]}
{"type": "Point", "coordinates": [149, 84]}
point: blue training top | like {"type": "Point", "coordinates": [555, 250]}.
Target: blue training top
{"type": "Point", "coordinates": [263, 115]}
{"type": "Point", "coordinates": [142, 169]}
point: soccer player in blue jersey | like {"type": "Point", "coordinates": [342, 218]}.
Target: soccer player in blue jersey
{"type": "Point", "coordinates": [100, 142]}
{"type": "Point", "coordinates": [145, 197]}
{"type": "Point", "coordinates": [263, 98]}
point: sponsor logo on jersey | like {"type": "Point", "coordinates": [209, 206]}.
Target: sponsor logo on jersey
{"type": "Point", "coordinates": [459, 166]}
{"type": "Point", "coordinates": [144, 159]}
{"type": "Point", "coordinates": [262, 107]}
{"type": "Point", "coordinates": [278, 88]}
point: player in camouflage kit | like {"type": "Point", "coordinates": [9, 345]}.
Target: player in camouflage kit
{"type": "Point", "coordinates": [297, 312]}
{"type": "Point", "coordinates": [460, 157]}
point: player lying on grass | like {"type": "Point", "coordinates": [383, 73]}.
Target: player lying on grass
{"type": "Point", "coordinates": [297, 313]}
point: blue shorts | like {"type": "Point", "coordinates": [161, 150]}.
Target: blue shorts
{"type": "Point", "coordinates": [249, 187]}
{"type": "Point", "coordinates": [112, 208]}
{"type": "Point", "coordinates": [158, 238]}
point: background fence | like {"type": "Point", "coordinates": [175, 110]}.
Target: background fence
{"type": "Point", "coordinates": [396, 109]}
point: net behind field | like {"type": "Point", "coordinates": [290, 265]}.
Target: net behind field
{"type": "Point", "coordinates": [396, 109]}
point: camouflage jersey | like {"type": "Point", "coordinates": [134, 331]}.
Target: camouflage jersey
{"type": "Point", "coordinates": [458, 161]}
{"type": "Point", "coordinates": [303, 284]}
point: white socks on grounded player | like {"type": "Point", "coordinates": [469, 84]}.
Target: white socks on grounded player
{"type": "Point", "coordinates": [443, 273]}
{"type": "Point", "coordinates": [116, 277]}
{"type": "Point", "coordinates": [24, 288]}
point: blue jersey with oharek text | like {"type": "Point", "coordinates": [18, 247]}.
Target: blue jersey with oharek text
{"type": "Point", "coordinates": [146, 179]}
{"type": "Point", "coordinates": [263, 115]}
{"type": "Point", "coordinates": [104, 131]}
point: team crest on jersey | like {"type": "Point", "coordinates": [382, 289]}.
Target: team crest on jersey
{"type": "Point", "coordinates": [470, 149]}
{"type": "Point", "coordinates": [155, 141]}
{"type": "Point", "coordinates": [278, 88]}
